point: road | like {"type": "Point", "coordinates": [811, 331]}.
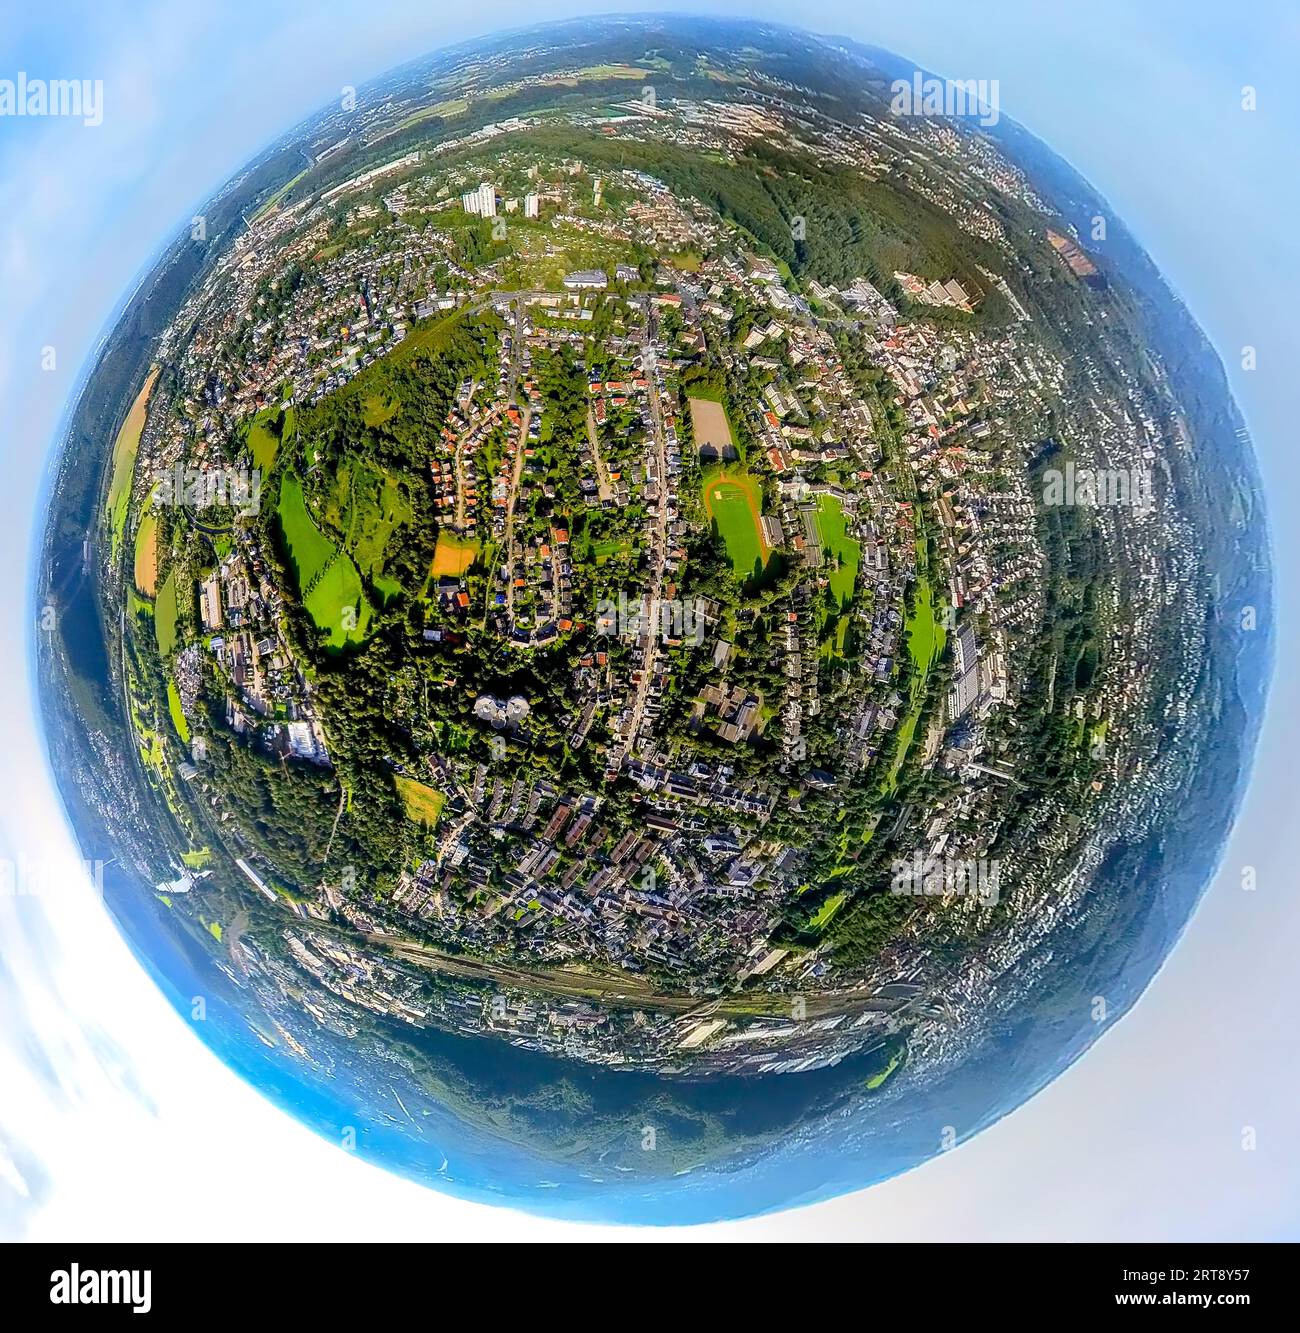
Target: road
{"type": "Point", "coordinates": [604, 490]}
{"type": "Point", "coordinates": [658, 534]}
{"type": "Point", "coordinates": [525, 417]}
{"type": "Point", "coordinates": [459, 457]}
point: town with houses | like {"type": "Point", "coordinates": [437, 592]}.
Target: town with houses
{"type": "Point", "coordinates": [737, 588]}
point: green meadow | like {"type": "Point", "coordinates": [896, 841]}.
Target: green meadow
{"type": "Point", "coordinates": [924, 629]}
{"type": "Point", "coordinates": [327, 579]}
{"type": "Point", "coordinates": [822, 917]}
{"type": "Point", "coordinates": [925, 640]}
{"type": "Point", "coordinates": [164, 621]}
{"type": "Point", "coordinates": [422, 803]}
{"type": "Point", "coordinates": [265, 431]}
{"type": "Point", "coordinates": [841, 553]}
{"type": "Point", "coordinates": [366, 505]}
{"type": "Point", "coordinates": [174, 708]}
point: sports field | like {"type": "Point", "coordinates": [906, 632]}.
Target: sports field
{"type": "Point", "coordinates": [733, 500]}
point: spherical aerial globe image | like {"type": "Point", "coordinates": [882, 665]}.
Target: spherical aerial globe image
{"type": "Point", "coordinates": [651, 618]}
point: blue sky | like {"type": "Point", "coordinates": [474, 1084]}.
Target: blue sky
{"type": "Point", "coordinates": [1143, 1137]}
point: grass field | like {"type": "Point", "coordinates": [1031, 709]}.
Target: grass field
{"type": "Point", "coordinates": [925, 640]}
{"type": "Point", "coordinates": [310, 549]}
{"type": "Point", "coordinates": [151, 750]}
{"type": "Point", "coordinates": [375, 410]}
{"type": "Point", "coordinates": [377, 510]}
{"type": "Point", "coordinates": [423, 804]}
{"type": "Point", "coordinates": [447, 109]}
{"type": "Point", "coordinates": [146, 554]}
{"type": "Point", "coordinates": [601, 551]}
{"type": "Point", "coordinates": [264, 439]}
{"type": "Point", "coordinates": [878, 1080]}
{"type": "Point", "coordinates": [925, 633]}
{"type": "Point", "coordinates": [453, 555]}
{"type": "Point", "coordinates": [733, 500]}
{"type": "Point", "coordinates": [822, 917]}
{"type": "Point", "coordinates": [164, 619]}
{"type": "Point", "coordinates": [336, 592]}
{"type": "Point", "coordinates": [125, 447]}
{"type": "Point", "coordinates": [432, 338]}
{"type": "Point", "coordinates": [275, 199]}
{"type": "Point", "coordinates": [387, 588]}
{"type": "Point", "coordinates": [593, 74]}
{"type": "Point", "coordinates": [137, 605]}
{"type": "Point", "coordinates": [174, 708]}
{"type": "Point", "coordinates": [327, 579]}
{"type": "Point", "coordinates": [366, 505]}
{"type": "Point", "coordinates": [832, 641]}
{"type": "Point", "coordinates": [614, 72]}
{"type": "Point", "coordinates": [841, 552]}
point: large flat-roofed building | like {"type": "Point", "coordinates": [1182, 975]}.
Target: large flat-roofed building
{"type": "Point", "coordinates": [586, 278]}
{"type": "Point", "coordinates": [210, 603]}
{"type": "Point", "coordinates": [966, 676]}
